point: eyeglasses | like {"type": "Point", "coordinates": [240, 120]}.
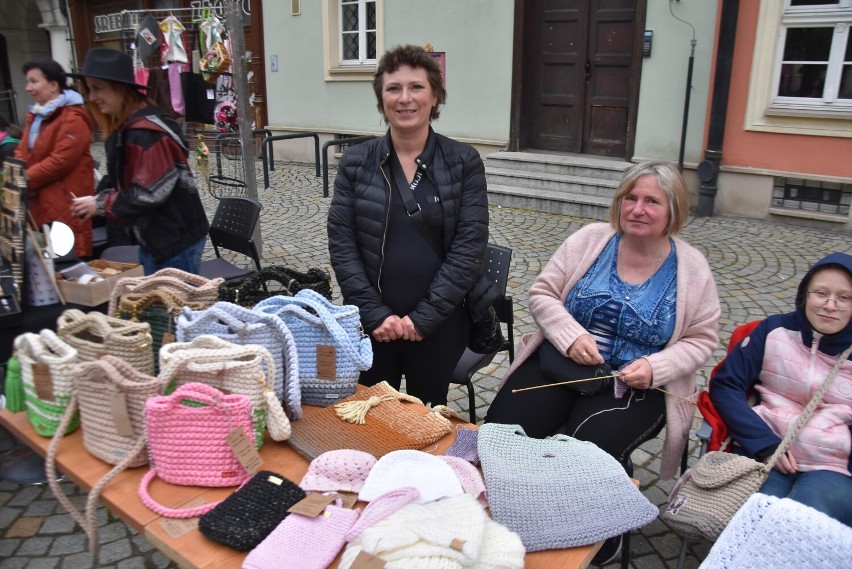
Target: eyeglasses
{"type": "Point", "coordinates": [842, 303]}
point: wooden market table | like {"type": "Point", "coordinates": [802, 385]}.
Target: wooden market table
{"type": "Point", "coordinates": [180, 540]}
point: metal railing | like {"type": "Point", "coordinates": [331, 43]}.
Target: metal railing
{"type": "Point", "coordinates": [267, 154]}
{"type": "Point", "coordinates": [337, 142]}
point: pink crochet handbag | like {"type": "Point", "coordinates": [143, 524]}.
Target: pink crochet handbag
{"type": "Point", "coordinates": [301, 542]}
{"type": "Point", "coordinates": [187, 442]}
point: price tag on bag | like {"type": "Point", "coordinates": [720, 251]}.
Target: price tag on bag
{"type": "Point", "coordinates": [326, 363]}
{"type": "Point", "coordinates": [43, 382]}
{"type": "Point", "coordinates": [244, 450]}
{"type": "Point", "coordinates": [120, 414]}
{"type": "Point", "coordinates": [176, 528]}
{"type": "Point", "coordinates": [366, 561]}
{"type": "Point", "coordinates": [312, 505]}
{"type": "Point", "coordinates": [349, 499]}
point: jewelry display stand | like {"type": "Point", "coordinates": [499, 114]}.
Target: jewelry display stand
{"type": "Point", "coordinates": [13, 225]}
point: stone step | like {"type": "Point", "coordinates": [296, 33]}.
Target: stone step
{"type": "Point", "coordinates": [549, 201]}
{"type": "Point", "coordinates": [553, 182]}
{"type": "Point", "coordinates": [566, 164]}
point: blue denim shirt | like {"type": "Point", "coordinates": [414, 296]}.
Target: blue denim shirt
{"type": "Point", "coordinates": [627, 321]}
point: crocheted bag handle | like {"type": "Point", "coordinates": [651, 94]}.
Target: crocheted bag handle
{"type": "Point", "coordinates": [200, 393]}
{"type": "Point", "coordinates": [210, 354]}
{"type": "Point", "coordinates": [73, 321]}
{"type": "Point", "coordinates": [118, 371]}
{"type": "Point", "coordinates": [136, 302]}
{"type": "Point", "coordinates": [171, 279]}
{"type": "Point", "coordinates": [45, 347]}
{"type": "Point", "coordinates": [198, 319]}
{"type": "Point", "coordinates": [235, 318]}
{"type": "Point", "coordinates": [361, 353]}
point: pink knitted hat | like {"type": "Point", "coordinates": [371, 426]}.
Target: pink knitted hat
{"type": "Point", "coordinates": [343, 470]}
{"type": "Point", "coordinates": [469, 477]}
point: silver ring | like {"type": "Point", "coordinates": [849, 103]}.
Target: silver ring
{"type": "Point", "coordinates": [584, 354]}
{"type": "Point", "coordinates": [385, 339]}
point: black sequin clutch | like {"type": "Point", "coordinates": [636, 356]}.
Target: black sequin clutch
{"type": "Point", "coordinates": [247, 516]}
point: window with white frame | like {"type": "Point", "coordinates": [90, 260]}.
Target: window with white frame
{"type": "Point", "coordinates": [357, 21]}
{"type": "Point", "coordinates": [800, 75]}
{"type": "Point", "coordinates": [353, 38]}
{"type": "Point", "coordinates": [813, 69]}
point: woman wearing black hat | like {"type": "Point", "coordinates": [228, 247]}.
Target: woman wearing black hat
{"type": "Point", "coordinates": [149, 184]}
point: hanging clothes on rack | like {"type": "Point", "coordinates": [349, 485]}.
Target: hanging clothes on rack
{"type": "Point", "coordinates": [149, 38]}
{"type": "Point", "coordinates": [173, 33]}
{"type": "Point", "coordinates": [212, 30]}
{"type": "Point", "coordinates": [174, 54]}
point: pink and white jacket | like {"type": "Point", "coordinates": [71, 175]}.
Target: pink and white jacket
{"type": "Point", "coordinates": [786, 361]}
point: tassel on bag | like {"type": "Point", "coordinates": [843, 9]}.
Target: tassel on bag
{"type": "Point", "coordinates": [14, 386]}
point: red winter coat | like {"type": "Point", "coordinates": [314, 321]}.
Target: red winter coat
{"type": "Point", "coordinates": [58, 165]}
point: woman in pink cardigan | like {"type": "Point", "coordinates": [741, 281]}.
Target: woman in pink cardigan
{"type": "Point", "coordinates": [631, 294]}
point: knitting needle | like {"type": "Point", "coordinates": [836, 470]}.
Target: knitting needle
{"type": "Point", "coordinates": [596, 378]}
{"type": "Point", "coordinates": [564, 383]}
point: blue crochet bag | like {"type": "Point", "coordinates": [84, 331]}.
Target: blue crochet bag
{"type": "Point", "coordinates": [332, 346]}
{"type": "Point", "coordinates": [241, 326]}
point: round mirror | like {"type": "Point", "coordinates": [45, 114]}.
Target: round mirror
{"type": "Point", "coordinates": [61, 239]}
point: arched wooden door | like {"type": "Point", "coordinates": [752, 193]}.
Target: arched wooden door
{"type": "Point", "coordinates": [580, 75]}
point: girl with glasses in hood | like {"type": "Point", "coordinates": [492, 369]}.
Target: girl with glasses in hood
{"type": "Point", "coordinates": [784, 360]}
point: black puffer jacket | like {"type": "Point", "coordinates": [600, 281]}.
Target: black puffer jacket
{"type": "Point", "coordinates": [357, 223]}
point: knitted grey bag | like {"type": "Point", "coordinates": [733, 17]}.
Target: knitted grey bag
{"type": "Point", "coordinates": [706, 497]}
{"type": "Point", "coordinates": [557, 492]}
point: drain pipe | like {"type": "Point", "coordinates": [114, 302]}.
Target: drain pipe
{"type": "Point", "coordinates": [708, 169]}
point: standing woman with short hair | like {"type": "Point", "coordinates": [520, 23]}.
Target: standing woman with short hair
{"type": "Point", "coordinates": [55, 147]}
{"type": "Point", "coordinates": [149, 185]}
{"type": "Point", "coordinates": [410, 279]}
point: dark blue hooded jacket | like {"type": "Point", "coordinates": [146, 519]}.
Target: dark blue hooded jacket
{"type": "Point", "coordinates": [742, 367]}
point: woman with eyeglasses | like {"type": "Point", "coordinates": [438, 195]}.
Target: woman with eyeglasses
{"type": "Point", "coordinates": [784, 360]}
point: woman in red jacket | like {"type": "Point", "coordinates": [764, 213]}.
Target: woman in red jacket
{"type": "Point", "coordinates": [55, 146]}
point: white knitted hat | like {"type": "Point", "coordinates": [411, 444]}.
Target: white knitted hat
{"type": "Point", "coordinates": [469, 477]}
{"type": "Point", "coordinates": [448, 533]}
{"type": "Point", "coordinates": [430, 475]}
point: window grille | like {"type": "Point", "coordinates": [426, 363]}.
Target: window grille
{"type": "Point", "coordinates": [812, 195]}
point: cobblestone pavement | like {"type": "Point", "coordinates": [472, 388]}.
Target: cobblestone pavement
{"type": "Point", "coordinates": [757, 266]}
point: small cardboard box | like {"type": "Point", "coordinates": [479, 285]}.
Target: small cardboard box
{"type": "Point", "coordinates": [95, 293]}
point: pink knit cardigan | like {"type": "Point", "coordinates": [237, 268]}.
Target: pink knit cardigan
{"type": "Point", "coordinates": [691, 345]}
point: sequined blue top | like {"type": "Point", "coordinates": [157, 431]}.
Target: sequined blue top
{"type": "Point", "coordinates": [627, 321]}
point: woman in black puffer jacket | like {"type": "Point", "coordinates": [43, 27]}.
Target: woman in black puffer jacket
{"type": "Point", "coordinates": [408, 267]}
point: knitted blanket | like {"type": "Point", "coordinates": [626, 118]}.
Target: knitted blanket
{"type": "Point", "coordinates": [779, 532]}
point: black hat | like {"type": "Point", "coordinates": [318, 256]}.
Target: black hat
{"type": "Point", "coordinates": [109, 65]}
